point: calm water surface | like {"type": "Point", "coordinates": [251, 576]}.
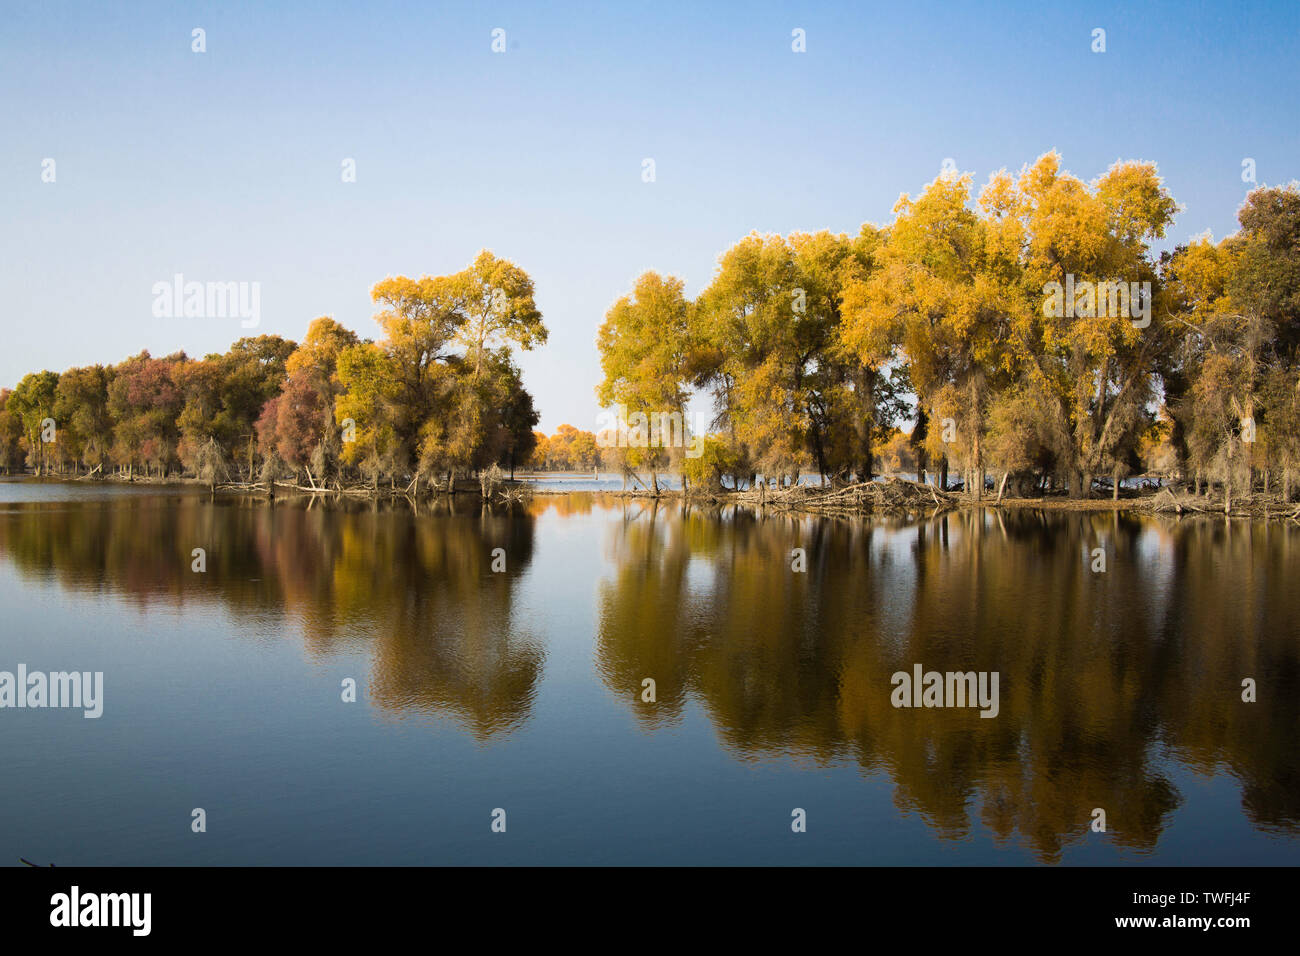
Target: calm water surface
{"type": "Point", "coordinates": [522, 690]}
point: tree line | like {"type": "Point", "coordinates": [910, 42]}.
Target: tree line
{"type": "Point", "coordinates": [438, 394]}
{"type": "Point", "coordinates": [569, 449]}
{"type": "Point", "coordinates": [1028, 332]}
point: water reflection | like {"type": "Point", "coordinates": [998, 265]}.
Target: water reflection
{"type": "Point", "coordinates": [1108, 680]}
{"type": "Point", "coordinates": [1105, 677]}
{"type": "Point", "coordinates": [419, 589]}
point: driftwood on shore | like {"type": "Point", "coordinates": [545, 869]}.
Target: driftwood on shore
{"type": "Point", "coordinates": [507, 493]}
{"type": "Point", "coordinates": [889, 496]}
{"type": "Point", "coordinates": [896, 496]}
{"type": "Point", "coordinates": [1166, 501]}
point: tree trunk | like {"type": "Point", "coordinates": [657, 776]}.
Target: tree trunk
{"type": "Point", "coordinates": [1082, 485]}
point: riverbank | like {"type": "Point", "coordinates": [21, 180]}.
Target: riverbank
{"type": "Point", "coordinates": [898, 496]}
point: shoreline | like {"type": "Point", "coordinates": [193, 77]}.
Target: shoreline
{"type": "Point", "coordinates": [885, 497]}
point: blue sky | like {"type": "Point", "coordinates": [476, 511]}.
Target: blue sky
{"type": "Point", "coordinates": [225, 165]}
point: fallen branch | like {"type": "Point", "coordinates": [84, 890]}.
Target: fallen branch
{"type": "Point", "coordinates": [891, 496]}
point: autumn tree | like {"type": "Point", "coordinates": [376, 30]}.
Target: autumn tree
{"type": "Point", "coordinates": [145, 402]}
{"type": "Point", "coordinates": [298, 424]}
{"type": "Point", "coordinates": [938, 303]}
{"type": "Point", "coordinates": [443, 346]}
{"type": "Point", "coordinates": [569, 449]}
{"type": "Point", "coordinates": [1092, 362]}
{"type": "Point", "coordinates": [32, 401]}
{"type": "Point", "coordinates": [81, 409]}
{"type": "Point", "coordinates": [768, 348]}
{"type": "Point", "coordinates": [1231, 380]}
{"type": "Point", "coordinates": [497, 307]}
{"type": "Point", "coordinates": [11, 435]}
{"type": "Point", "coordinates": [643, 345]}
{"type": "Point", "coordinates": [364, 409]}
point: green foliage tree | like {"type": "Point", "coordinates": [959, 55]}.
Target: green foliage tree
{"type": "Point", "coordinates": [33, 402]}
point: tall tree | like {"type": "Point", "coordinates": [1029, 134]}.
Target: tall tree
{"type": "Point", "coordinates": [33, 402]}
{"type": "Point", "coordinates": [937, 302]}
{"type": "Point", "coordinates": [643, 345]}
{"type": "Point", "coordinates": [364, 409]}
{"type": "Point", "coordinates": [1091, 362]}
{"type": "Point", "coordinates": [498, 308]}
{"type": "Point", "coordinates": [11, 435]}
{"type": "Point", "coordinates": [298, 424]}
{"type": "Point", "coordinates": [146, 402]}
{"type": "Point", "coordinates": [81, 408]}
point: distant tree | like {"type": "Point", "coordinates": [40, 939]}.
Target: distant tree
{"type": "Point", "coordinates": [541, 446]}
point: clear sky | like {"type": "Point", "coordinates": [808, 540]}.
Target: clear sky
{"type": "Point", "coordinates": [226, 165]}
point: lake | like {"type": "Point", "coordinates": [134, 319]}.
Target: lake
{"type": "Point", "coordinates": [522, 688]}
